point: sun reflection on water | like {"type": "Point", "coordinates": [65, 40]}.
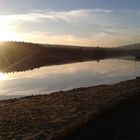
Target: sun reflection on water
{"type": "Point", "coordinates": [2, 76]}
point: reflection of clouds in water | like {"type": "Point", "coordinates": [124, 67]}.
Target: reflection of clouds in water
{"type": "Point", "coordinates": [64, 77]}
{"type": "Point", "coordinates": [103, 67]}
{"type": "Point", "coordinates": [59, 69]}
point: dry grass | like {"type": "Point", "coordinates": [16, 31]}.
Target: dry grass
{"type": "Point", "coordinates": [55, 115]}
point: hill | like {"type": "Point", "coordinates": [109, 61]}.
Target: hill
{"type": "Point", "coordinates": [22, 56]}
{"type": "Point", "coordinates": [131, 47]}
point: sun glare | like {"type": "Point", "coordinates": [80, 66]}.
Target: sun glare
{"type": "Point", "coordinates": [6, 33]}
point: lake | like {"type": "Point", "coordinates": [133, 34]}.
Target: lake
{"type": "Point", "coordinates": [50, 79]}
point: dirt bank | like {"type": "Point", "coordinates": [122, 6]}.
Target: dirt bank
{"type": "Point", "coordinates": [54, 116]}
{"type": "Point", "coordinates": [120, 123]}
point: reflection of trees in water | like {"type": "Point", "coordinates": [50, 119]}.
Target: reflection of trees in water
{"type": "Point", "coordinates": [20, 56]}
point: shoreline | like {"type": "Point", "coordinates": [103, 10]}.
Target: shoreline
{"type": "Point", "coordinates": [55, 115]}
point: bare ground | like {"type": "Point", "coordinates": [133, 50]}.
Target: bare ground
{"type": "Point", "coordinates": [120, 123]}
{"type": "Point", "coordinates": [57, 115]}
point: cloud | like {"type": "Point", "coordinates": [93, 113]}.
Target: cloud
{"type": "Point", "coordinates": [80, 27]}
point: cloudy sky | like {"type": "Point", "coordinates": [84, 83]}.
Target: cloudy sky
{"type": "Point", "coordinates": [74, 22]}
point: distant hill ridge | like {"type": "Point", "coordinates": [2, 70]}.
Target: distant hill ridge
{"type": "Point", "coordinates": [21, 56]}
{"type": "Point", "coordinates": [22, 43]}
{"type": "Point", "coordinates": [131, 47]}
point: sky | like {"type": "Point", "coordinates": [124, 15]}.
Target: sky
{"type": "Point", "coordinates": [106, 23]}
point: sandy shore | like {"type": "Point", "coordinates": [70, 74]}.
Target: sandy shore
{"type": "Point", "coordinates": [54, 116]}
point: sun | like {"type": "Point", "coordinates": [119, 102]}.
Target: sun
{"type": "Point", "coordinates": [2, 76]}
{"type": "Point", "coordinates": [6, 32]}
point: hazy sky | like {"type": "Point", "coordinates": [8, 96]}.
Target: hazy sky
{"type": "Point", "coordinates": [77, 22]}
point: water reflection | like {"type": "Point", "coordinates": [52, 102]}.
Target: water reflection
{"type": "Point", "coordinates": [64, 77]}
{"type": "Point", "coordinates": [3, 76]}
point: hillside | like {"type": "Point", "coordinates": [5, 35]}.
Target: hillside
{"type": "Point", "coordinates": [131, 47]}
{"type": "Point", "coordinates": [22, 56]}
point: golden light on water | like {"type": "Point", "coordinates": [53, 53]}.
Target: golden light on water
{"type": "Point", "coordinates": [2, 76]}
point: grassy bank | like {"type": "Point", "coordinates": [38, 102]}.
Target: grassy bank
{"type": "Point", "coordinates": [58, 114]}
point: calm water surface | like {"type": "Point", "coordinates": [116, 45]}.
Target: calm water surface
{"type": "Point", "coordinates": [64, 77]}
